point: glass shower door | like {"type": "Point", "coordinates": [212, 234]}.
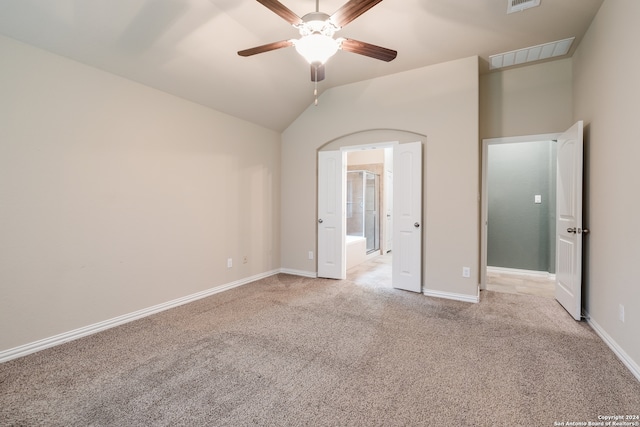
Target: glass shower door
{"type": "Point", "coordinates": [371, 214]}
{"type": "Point", "coordinates": [363, 205]}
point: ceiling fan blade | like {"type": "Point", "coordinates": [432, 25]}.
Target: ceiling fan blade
{"type": "Point", "coordinates": [351, 10]}
{"type": "Point", "coordinates": [367, 49]}
{"type": "Point", "coordinates": [266, 48]}
{"type": "Point", "coordinates": [282, 11]}
{"type": "Point", "coordinates": [317, 73]}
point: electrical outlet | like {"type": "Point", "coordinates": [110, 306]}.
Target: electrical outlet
{"type": "Point", "coordinates": [310, 254]}
{"type": "Point", "coordinates": [466, 272]}
{"type": "Point", "coordinates": [245, 259]}
{"type": "Point", "coordinates": [229, 262]}
{"type": "Point", "coordinates": [621, 313]}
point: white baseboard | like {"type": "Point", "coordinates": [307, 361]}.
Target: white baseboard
{"type": "Point", "coordinates": [534, 273]}
{"type": "Point", "coordinates": [619, 352]}
{"type": "Point", "coordinates": [453, 296]}
{"type": "Point", "coordinates": [23, 350]}
{"type": "Point", "coordinates": [311, 274]}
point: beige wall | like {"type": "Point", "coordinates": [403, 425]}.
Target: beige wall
{"type": "Point", "coordinates": [365, 157]}
{"type": "Point", "coordinates": [440, 102]}
{"type": "Point", "coordinates": [116, 197]}
{"type": "Point", "coordinates": [607, 97]}
{"type": "Point", "coordinates": [531, 100]}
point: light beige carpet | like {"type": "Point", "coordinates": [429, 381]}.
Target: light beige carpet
{"type": "Point", "coordinates": [291, 351]}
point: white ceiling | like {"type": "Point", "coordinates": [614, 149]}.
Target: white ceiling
{"type": "Point", "coordinates": [188, 47]}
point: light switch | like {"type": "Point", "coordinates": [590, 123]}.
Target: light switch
{"type": "Point", "coordinates": [537, 198]}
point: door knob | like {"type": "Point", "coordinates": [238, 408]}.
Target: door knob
{"type": "Point", "coordinates": [320, 221]}
{"type": "Point", "coordinates": [584, 231]}
{"type": "Point", "coordinates": [571, 230]}
{"type": "Point", "coordinates": [416, 225]}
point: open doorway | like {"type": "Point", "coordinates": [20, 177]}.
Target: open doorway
{"type": "Point", "coordinates": [369, 215]}
{"type": "Point", "coordinates": [519, 215]}
{"type": "Point", "coordinates": [569, 230]}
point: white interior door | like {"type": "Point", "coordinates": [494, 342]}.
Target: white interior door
{"type": "Point", "coordinates": [407, 221]}
{"type": "Point", "coordinates": [331, 219]}
{"type": "Point", "coordinates": [569, 229]}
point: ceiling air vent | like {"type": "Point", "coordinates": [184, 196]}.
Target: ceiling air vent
{"type": "Point", "coordinates": [520, 5]}
{"type": "Point", "coordinates": [531, 54]}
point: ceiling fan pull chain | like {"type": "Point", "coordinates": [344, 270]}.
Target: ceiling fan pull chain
{"type": "Point", "coordinates": [315, 88]}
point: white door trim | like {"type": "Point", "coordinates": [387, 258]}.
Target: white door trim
{"type": "Point", "coordinates": [484, 215]}
{"type": "Point", "coordinates": [372, 146]}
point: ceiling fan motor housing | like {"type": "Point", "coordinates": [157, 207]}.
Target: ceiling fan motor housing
{"type": "Point", "coordinates": [317, 23]}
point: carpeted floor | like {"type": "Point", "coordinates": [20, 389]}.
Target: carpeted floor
{"type": "Point", "coordinates": [292, 351]}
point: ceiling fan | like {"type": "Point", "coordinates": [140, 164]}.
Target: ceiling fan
{"type": "Point", "coordinates": [316, 43]}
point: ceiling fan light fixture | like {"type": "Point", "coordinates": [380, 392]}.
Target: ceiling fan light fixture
{"type": "Point", "coordinates": [317, 48]}
{"type": "Point", "coordinates": [316, 43]}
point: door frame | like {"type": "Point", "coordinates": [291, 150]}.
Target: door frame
{"type": "Point", "coordinates": [484, 206]}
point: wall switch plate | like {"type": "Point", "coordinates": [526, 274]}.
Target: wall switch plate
{"type": "Point", "coordinates": [229, 262]}
{"type": "Point", "coordinates": [621, 313]}
{"type": "Point", "coordinates": [466, 272]}
{"type": "Point", "coordinates": [537, 198]}
{"type": "Point", "coordinates": [310, 254]}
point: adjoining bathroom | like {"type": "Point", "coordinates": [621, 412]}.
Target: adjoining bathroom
{"type": "Point", "coordinates": [362, 214]}
{"type": "Point", "coordinates": [368, 205]}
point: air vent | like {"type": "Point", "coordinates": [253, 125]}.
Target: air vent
{"type": "Point", "coordinates": [531, 54]}
{"type": "Point", "coordinates": [520, 5]}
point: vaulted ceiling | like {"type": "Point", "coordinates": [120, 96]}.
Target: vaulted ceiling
{"type": "Point", "coordinates": [188, 47]}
